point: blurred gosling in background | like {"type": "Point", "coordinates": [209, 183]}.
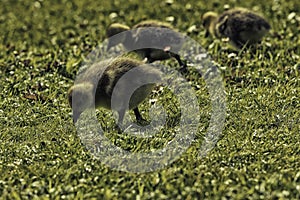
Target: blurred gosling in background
{"type": "Point", "coordinates": [240, 25]}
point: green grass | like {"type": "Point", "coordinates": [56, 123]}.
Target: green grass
{"type": "Point", "coordinates": [41, 157]}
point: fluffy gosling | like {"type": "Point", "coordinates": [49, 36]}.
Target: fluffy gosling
{"type": "Point", "coordinates": [240, 25]}
{"type": "Point", "coordinates": [166, 40]}
{"type": "Point", "coordinates": [88, 89]}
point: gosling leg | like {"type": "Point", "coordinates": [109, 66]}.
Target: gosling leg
{"type": "Point", "coordinates": [140, 120]}
{"type": "Point", "coordinates": [138, 115]}
{"type": "Point", "coordinates": [182, 64]}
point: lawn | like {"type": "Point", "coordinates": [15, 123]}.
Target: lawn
{"type": "Point", "coordinates": [43, 44]}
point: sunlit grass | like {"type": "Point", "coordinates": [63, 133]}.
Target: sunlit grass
{"type": "Point", "coordinates": [44, 42]}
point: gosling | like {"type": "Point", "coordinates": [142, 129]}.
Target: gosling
{"type": "Point", "coordinates": [96, 85]}
{"type": "Point", "coordinates": [240, 25]}
{"type": "Point", "coordinates": [164, 37]}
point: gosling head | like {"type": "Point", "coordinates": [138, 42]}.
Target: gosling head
{"type": "Point", "coordinates": [81, 97]}
{"type": "Point", "coordinates": [115, 29]}
{"type": "Point", "coordinates": [209, 20]}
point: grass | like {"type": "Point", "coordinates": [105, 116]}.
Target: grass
{"type": "Point", "coordinates": [41, 156]}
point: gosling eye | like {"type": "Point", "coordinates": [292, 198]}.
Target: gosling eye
{"type": "Point", "coordinates": [222, 27]}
